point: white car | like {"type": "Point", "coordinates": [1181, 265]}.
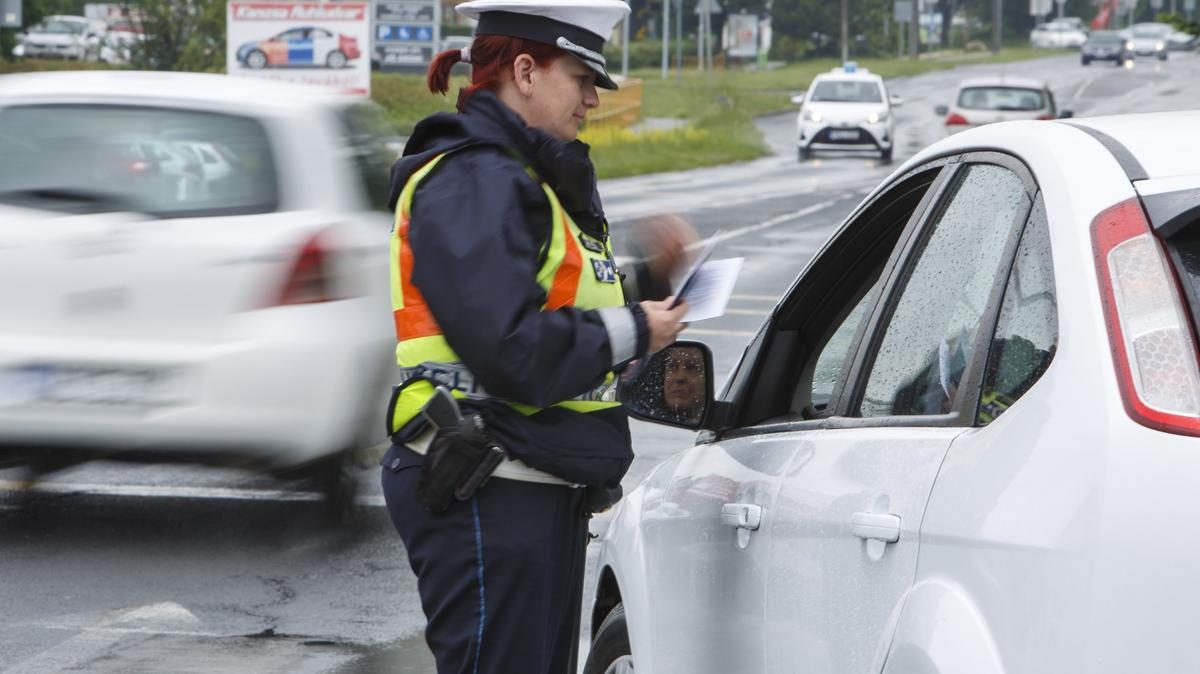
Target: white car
{"type": "Point", "coordinates": [846, 109]}
{"type": "Point", "coordinates": [62, 36]}
{"type": "Point", "coordinates": [119, 42]}
{"type": "Point", "coordinates": [964, 441]}
{"type": "Point", "coordinates": [1058, 34]}
{"type": "Point", "coordinates": [1149, 39]}
{"type": "Point", "coordinates": [986, 100]}
{"type": "Point", "coordinates": [166, 306]}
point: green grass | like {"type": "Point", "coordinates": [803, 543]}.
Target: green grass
{"type": "Point", "coordinates": [720, 109]}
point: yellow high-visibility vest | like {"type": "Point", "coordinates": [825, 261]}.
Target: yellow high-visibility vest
{"type": "Point", "coordinates": [571, 276]}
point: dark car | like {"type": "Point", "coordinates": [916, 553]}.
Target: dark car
{"type": "Point", "coordinates": [1105, 45]}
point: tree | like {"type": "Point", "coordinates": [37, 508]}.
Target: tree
{"type": "Point", "coordinates": [179, 34]}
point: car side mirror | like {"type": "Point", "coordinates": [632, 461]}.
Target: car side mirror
{"type": "Point", "coordinates": [1066, 114]}
{"type": "Point", "coordinates": [673, 386]}
{"type": "Point", "coordinates": [798, 99]}
{"type": "Point", "coordinates": [941, 110]}
{"type": "Point", "coordinates": [896, 101]}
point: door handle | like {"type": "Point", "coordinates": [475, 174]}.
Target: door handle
{"type": "Point", "coordinates": [876, 526]}
{"type": "Point", "coordinates": [742, 515]}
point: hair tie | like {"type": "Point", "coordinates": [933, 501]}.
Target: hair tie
{"type": "Point", "coordinates": [464, 54]}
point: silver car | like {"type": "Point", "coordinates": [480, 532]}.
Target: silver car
{"type": "Point", "coordinates": [985, 100]}
{"type": "Point", "coordinates": [1149, 39]}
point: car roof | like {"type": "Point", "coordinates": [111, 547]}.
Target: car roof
{"type": "Point", "coordinates": [1165, 144]}
{"type": "Point", "coordinates": [200, 89]}
{"type": "Point", "coordinates": [1002, 81]}
{"type": "Point", "coordinates": [846, 77]}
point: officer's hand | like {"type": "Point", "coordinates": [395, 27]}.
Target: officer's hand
{"type": "Point", "coordinates": [665, 323]}
{"type": "Point", "coordinates": [664, 240]}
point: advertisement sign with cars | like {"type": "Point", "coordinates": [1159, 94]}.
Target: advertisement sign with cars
{"type": "Point", "coordinates": [407, 33]}
{"type": "Point", "coordinates": [322, 44]}
{"type": "Point", "coordinates": [741, 35]}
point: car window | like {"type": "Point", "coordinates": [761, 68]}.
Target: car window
{"type": "Point", "coordinates": [929, 339]}
{"type": "Point", "coordinates": [1026, 334]}
{"type": "Point", "coordinates": [1001, 98]}
{"type": "Point", "coordinates": [126, 154]}
{"type": "Point", "coordinates": [368, 138]}
{"type": "Point", "coordinates": [846, 91]}
{"type": "Point", "coordinates": [833, 359]}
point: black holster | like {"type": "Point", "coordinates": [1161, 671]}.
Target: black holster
{"type": "Point", "coordinates": [459, 461]}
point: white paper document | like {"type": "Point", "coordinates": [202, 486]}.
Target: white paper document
{"type": "Point", "coordinates": [710, 287]}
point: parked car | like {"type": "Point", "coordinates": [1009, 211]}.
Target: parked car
{"type": "Point", "coordinates": [304, 46]}
{"type": "Point", "coordinates": [1181, 41]}
{"type": "Point", "coordinates": [846, 109]}
{"type": "Point", "coordinates": [1149, 39]}
{"type": "Point", "coordinates": [1058, 34]}
{"type": "Point", "coordinates": [169, 304]}
{"type": "Point", "coordinates": [986, 100]}
{"type": "Point", "coordinates": [62, 36]}
{"type": "Point", "coordinates": [964, 440]}
{"type": "Point", "coordinates": [1105, 45]}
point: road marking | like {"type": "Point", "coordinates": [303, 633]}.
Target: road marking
{"type": "Point", "coordinates": [750, 229]}
{"type": "Point", "coordinates": [1083, 88]}
{"type": "Point", "coordinates": [160, 491]}
{"type": "Point", "coordinates": [748, 312]}
{"type": "Point", "coordinates": [96, 639]}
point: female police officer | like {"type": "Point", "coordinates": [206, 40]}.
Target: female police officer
{"type": "Point", "coordinates": [506, 294]}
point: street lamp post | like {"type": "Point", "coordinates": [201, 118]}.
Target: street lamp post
{"type": "Point", "coordinates": [666, 29]}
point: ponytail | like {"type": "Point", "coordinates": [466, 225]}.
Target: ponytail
{"type": "Point", "coordinates": [438, 77]}
{"type": "Point", "coordinates": [491, 58]}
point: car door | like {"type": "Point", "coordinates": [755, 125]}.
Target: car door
{"type": "Point", "coordinates": [299, 46]}
{"type": "Point", "coordinates": [845, 531]}
{"type": "Point", "coordinates": [706, 527]}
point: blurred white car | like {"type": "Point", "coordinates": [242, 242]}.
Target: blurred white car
{"type": "Point", "coordinates": [986, 100]}
{"type": "Point", "coordinates": [196, 267]}
{"type": "Point", "coordinates": [1149, 39]}
{"type": "Point", "coordinates": [119, 41]}
{"type": "Point", "coordinates": [1058, 34]}
{"type": "Point", "coordinates": [846, 109]}
{"type": "Point", "coordinates": [62, 36]}
{"type": "Point", "coordinates": [964, 441]}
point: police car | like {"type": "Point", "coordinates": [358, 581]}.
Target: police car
{"type": "Point", "coordinates": [846, 109]}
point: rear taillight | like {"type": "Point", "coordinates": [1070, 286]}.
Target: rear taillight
{"type": "Point", "coordinates": [309, 280]}
{"type": "Point", "coordinates": [1045, 117]}
{"type": "Point", "coordinates": [1148, 327]}
{"type": "Point", "coordinates": [955, 119]}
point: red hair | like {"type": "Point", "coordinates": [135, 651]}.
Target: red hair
{"type": "Point", "coordinates": [492, 57]}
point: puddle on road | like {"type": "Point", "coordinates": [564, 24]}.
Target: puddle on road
{"type": "Point", "coordinates": [407, 656]}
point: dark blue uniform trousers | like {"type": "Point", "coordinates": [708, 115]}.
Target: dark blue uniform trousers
{"type": "Point", "coordinates": [500, 576]}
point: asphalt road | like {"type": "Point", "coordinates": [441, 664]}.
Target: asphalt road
{"type": "Point", "coordinates": [117, 568]}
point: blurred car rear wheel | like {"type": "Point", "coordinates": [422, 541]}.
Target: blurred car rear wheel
{"type": "Point", "coordinates": [336, 60]}
{"type": "Point", "coordinates": [256, 60]}
{"type": "Point", "coordinates": [1087, 61]}
{"type": "Point", "coordinates": [802, 154]}
{"type": "Point", "coordinates": [610, 652]}
{"type": "Point", "coordinates": [338, 482]}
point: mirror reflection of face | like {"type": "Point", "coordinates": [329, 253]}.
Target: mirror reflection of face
{"type": "Point", "coordinates": [683, 379]}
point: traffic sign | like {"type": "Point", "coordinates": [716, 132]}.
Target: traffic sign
{"type": "Point", "coordinates": [710, 6]}
{"type": "Point", "coordinates": [10, 13]}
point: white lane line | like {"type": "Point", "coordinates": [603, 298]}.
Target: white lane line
{"type": "Point", "coordinates": [750, 229]}
{"type": "Point", "coordinates": [96, 639]}
{"type": "Point", "coordinates": [1083, 88]}
{"type": "Point", "coordinates": [160, 491]}
{"type": "Point", "coordinates": [748, 312]}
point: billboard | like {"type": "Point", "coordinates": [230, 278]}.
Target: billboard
{"type": "Point", "coordinates": [317, 43]}
{"type": "Point", "coordinates": [407, 33]}
{"type": "Point", "coordinates": [741, 35]}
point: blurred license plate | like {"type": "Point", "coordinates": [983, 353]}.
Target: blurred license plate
{"type": "Point", "coordinates": [844, 135]}
{"type": "Point", "coordinates": [87, 386]}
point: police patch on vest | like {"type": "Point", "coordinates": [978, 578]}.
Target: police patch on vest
{"type": "Point", "coordinates": [591, 244]}
{"type": "Point", "coordinates": [606, 271]}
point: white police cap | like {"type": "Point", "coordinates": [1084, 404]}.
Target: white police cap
{"type": "Point", "coordinates": [576, 26]}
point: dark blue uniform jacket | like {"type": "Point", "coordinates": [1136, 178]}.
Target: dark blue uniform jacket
{"type": "Point", "coordinates": [479, 222]}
